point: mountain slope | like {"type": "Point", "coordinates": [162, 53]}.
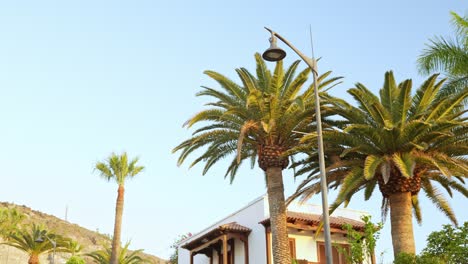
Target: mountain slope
{"type": "Point", "coordinates": [90, 240]}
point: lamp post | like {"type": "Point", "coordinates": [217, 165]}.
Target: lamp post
{"type": "Point", "coordinates": [275, 54]}
{"type": "Point", "coordinates": [40, 239]}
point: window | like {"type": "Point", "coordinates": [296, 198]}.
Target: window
{"type": "Point", "coordinates": [292, 247]}
{"type": "Point", "coordinates": [338, 258]}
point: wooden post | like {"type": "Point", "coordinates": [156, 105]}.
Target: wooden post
{"type": "Point", "coordinates": [233, 249]}
{"type": "Point", "coordinates": [246, 250]}
{"type": "Point", "coordinates": [218, 252]}
{"type": "Point", "coordinates": [191, 258]}
{"type": "Point", "coordinates": [225, 251]}
{"type": "Point", "coordinates": [267, 240]}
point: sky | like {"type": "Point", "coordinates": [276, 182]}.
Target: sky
{"type": "Point", "coordinates": [82, 79]}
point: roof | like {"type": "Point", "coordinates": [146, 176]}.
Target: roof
{"type": "Point", "coordinates": [232, 227]}
{"type": "Point", "coordinates": [314, 220]}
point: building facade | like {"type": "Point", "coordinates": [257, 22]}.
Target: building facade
{"type": "Point", "coordinates": [244, 237]}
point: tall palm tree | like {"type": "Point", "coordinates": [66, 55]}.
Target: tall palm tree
{"type": "Point", "coordinates": [125, 257]}
{"type": "Point", "coordinates": [118, 168]}
{"type": "Point", "coordinates": [449, 55]}
{"type": "Point", "coordinates": [256, 119]}
{"type": "Point", "coordinates": [28, 240]}
{"type": "Point", "coordinates": [400, 142]}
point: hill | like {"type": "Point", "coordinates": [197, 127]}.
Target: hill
{"type": "Point", "coordinates": [90, 240]}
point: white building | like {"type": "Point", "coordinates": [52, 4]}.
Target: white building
{"type": "Point", "coordinates": [244, 237]}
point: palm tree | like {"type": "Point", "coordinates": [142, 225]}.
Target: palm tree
{"type": "Point", "coordinates": [449, 56]}
{"type": "Point", "coordinates": [256, 119]}
{"type": "Point", "coordinates": [119, 169]}
{"type": "Point", "coordinates": [72, 247]}
{"type": "Point", "coordinates": [125, 257]}
{"type": "Point", "coordinates": [34, 242]}
{"type": "Point", "coordinates": [401, 142]}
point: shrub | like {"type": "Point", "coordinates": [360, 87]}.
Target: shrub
{"type": "Point", "coordinates": [75, 260]}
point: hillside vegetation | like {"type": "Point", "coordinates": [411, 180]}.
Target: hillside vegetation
{"type": "Point", "coordinates": [90, 240]}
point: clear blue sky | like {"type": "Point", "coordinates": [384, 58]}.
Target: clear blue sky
{"type": "Point", "coordinates": [80, 79]}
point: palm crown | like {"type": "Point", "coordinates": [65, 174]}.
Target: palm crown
{"type": "Point", "coordinates": [449, 55]}
{"type": "Point", "coordinates": [125, 256]}
{"type": "Point", "coordinates": [400, 142]}
{"type": "Point", "coordinates": [36, 241]}
{"type": "Point", "coordinates": [118, 167]}
{"type": "Point", "coordinates": [258, 118]}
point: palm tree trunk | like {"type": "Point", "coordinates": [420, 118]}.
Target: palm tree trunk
{"type": "Point", "coordinates": [117, 226]}
{"type": "Point", "coordinates": [402, 223]}
{"type": "Point", "coordinates": [277, 206]}
{"type": "Point", "coordinates": [33, 259]}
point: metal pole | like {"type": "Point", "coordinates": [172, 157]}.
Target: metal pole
{"type": "Point", "coordinates": [312, 63]}
{"type": "Point", "coordinates": [53, 244]}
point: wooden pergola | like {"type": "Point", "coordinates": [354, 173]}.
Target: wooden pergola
{"type": "Point", "coordinates": [220, 239]}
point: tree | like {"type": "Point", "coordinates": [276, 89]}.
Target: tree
{"type": "Point", "coordinates": [449, 55]}
{"type": "Point", "coordinates": [174, 258]}
{"type": "Point", "coordinates": [118, 168]}
{"type": "Point", "coordinates": [125, 257]}
{"type": "Point", "coordinates": [399, 142]}
{"type": "Point", "coordinates": [256, 119]}
{"type": "Point", "coordinates": [27, 240]}
{"type": "Point", "coordinates": [450, 244]}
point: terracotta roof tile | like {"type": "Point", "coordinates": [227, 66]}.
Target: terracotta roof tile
{"type": "Point", "coordinates": [234, 227]}
{"type": "Point", "coordinates": [314, 219]}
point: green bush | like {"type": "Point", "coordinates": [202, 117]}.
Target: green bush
{"type": "Point", "coordinates": [404, 258]}
{"type": "Point", "coordinates": [361, 243]}
{"type": "Point", "coordinates": [75, 260]}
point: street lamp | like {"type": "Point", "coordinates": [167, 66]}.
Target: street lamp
{"type": "Point", "coordinates": [40, 239]}
{"type": "Point", "coordinates": [275, 54]}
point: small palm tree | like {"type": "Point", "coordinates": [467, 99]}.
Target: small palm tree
{"type": "Point", "coordinates": [125, 256]}
{"type": "Point", "coordinates": [33, 241]}
{"type": "Point", "coordinates": [256, 120]}
{"type": "Point", "coordinates": [118, 168]}
{"type": "Point", "coordinates": [72, 247]}
{"type": "Point", "coordinates": [449, 56]}
{"type": "Point", "coordinates": [400, 143]}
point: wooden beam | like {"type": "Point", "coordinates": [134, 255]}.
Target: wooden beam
{"type": "Point", "coordinates": [204, 245]}
{"type": "Point", "coordinates": [236, 235]}
{"type": "Point", "coordinates": [314, 228]}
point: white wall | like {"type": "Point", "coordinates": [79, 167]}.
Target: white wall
{"type": "Point", "coordinates": [249, 216]}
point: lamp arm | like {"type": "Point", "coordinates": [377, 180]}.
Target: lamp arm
{"type": "Point", "coordinates": [51, 241]}
{"type": "Point", "coordinates": [312, 63]}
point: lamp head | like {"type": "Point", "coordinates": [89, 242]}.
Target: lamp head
{"type": "Point", "coordinates": [40, 239]}
{"type": "Point", "coordinates": [273, 53]}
